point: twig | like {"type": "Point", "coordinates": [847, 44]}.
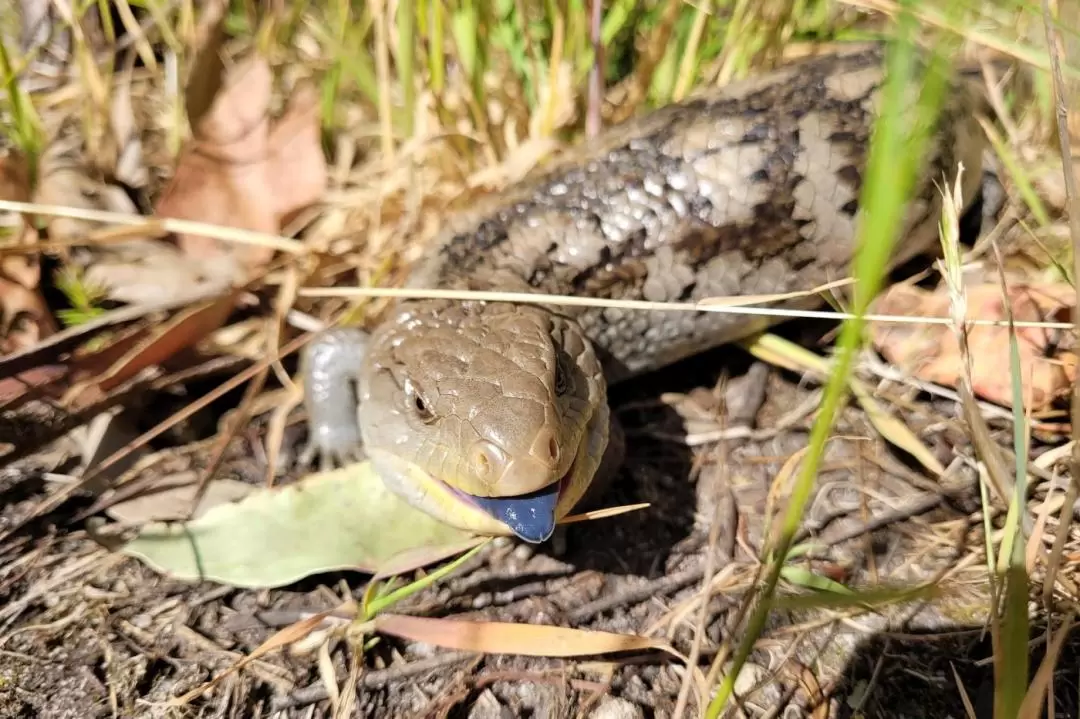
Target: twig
{"type": "Point", "coordinates": [372, 680]}
{"type": "Point", "coordinates": [660, 587]}
{"type": "Point", "coordinates": [706, 586]}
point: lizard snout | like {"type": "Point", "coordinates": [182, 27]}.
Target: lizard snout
{"type": "Point", "coordinates": [505, 474]}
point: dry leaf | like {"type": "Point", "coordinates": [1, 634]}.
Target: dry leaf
{"type": "Point", "coordinates": [242, 171]}
{"type": "Point", "coordinates": [168, 498]}
{"type": "Point", "coordinates": [25, 318]}
{"type": "Point", "coordinates": [67, 182]}
{"type": "Point", "coordinates": [506, 638]}
{"type": "Point", "coordinates": [14, 178]}
{"type": "Point", "coordinates": [143, 271]}
{"type": "Point", "coordinates": [932, 353]}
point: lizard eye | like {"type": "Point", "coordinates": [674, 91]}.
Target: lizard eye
{"type": "Point", "coordinates": [415, 403]}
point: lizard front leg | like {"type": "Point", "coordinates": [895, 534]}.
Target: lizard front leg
{"type": "Point", "coordinates": [329, 367]}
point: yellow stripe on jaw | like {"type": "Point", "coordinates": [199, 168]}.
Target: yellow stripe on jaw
{"type": "Point", "coordinates": [431, 496]}
{"type": "Point", "coordinates": [436, 498]}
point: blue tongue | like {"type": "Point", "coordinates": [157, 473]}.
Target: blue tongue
{"type": "Point", "coordinates": [529, 516]}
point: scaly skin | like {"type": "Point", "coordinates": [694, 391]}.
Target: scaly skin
{"type": "Point", "coordinates": [750, 189]}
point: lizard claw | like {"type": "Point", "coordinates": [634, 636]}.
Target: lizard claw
{"type": "Point", "coordinates": [334, 449]}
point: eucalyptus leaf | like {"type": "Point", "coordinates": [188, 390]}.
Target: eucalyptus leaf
{"type": "Point", "coordinates": [330, 521]}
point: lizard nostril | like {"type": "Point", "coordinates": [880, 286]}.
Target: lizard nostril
{"type": "Point", "coordinates": [485, 460]}
{"type": "Point", "coordinates": [546, 447]}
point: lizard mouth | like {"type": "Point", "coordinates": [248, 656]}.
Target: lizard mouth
{"type": "Point", "coordinates": [531, 517]}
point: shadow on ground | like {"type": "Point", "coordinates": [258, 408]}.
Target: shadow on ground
{"type": "Point", "coordinates": [916, 675]}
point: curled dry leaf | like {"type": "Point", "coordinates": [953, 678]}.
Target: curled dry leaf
{"type": "Point", "coordinates": [143, 271]}
{"type": "Point", "coordinates": [932, 353]}
{"type": "Point", "coordinates": [243, 171]}
{"type": "Point", "coordinates": [65, 180]}
{"type": "Point", "coordinates": [25, 318]}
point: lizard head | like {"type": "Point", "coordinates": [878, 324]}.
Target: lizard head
{"type": "Point", "coordinates": [490, 417]}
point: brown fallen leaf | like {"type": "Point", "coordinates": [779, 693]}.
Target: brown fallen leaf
{"type": "Point", "coordinates": [242, 170]}
{"type": "Point", "coordinates": [25, 318]}
{"type": "Point", "coordinates": [932, 353]}
{"type": "Point", "coordinates": [507, 638]}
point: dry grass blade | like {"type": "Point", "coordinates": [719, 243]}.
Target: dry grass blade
{"type": "Point", "coordinates": [968, 707]}
{"type": "Point", "coordinates": [783, 353]}
{"type": "Point", "coordinates": [1031, 707]}
{"type": "Point", "coordinates": [1061, 107]}
{"type": "Point", "coordinates": [155, 225]}
{"type": "Point", "coordinates": [731, 305]}
{"type": "Point", "coordinates": [952, 272]}
{"type": "Point", "coordinates": [605, 513]}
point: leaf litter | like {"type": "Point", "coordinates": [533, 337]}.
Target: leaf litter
{"type": "Point", "coordinates": [245, 171]}
{"type": "Point", "coordinates": [931, 352]}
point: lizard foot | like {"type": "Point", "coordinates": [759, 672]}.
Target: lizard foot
{"type": "Point", "coordinates": [334, 448]}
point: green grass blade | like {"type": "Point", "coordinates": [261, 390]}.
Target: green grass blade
{"type": "Point", "coordinates": [406, 27]}
{"type": "Point", "coordinates": [1012, 658]}
{"type": "Point", "coordinates": [437, 52]}
{"type": "Point", "coordinates": [894, 160]}
{"type": "Point", "coordinates": [25, 130]}
{"type": "Point", "coordinates": [384, 600]}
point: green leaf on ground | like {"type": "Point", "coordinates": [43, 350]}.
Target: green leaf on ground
{"type": "Point", "coordinates": [340, 520]}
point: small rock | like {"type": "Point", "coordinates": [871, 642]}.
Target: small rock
{"type": "Point", "coordinates": [523, 552]}
{"type": "Point", "coordinates": [750, 676]}
{"type": "Point", "coordinates": [617, 708]}
{"type": "Point", "coordinates": [487, 706]}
